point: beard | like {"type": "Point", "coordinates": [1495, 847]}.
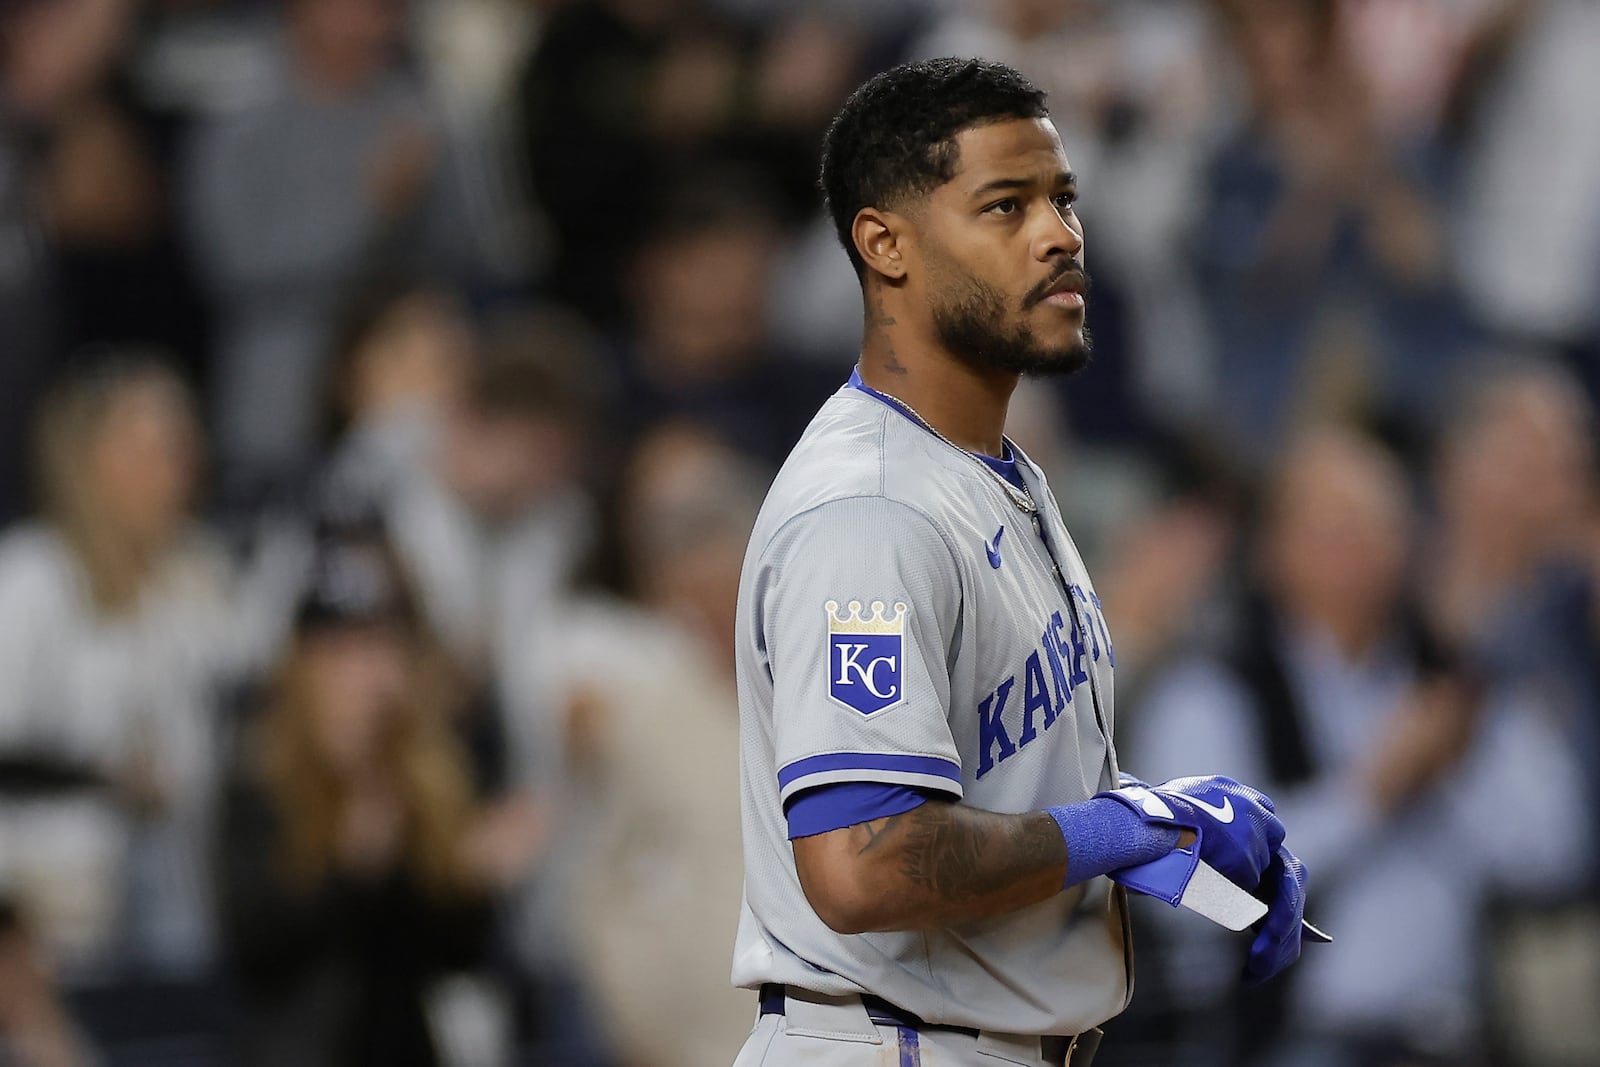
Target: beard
{"type": "Point", "coordinates": [974, 326]}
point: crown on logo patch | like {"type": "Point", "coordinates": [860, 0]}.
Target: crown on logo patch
{"type": "Point", "coordinates": [856, 623]}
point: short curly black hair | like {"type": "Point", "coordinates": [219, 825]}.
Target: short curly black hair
{"type": "Point", "coordinates": [895, 136]}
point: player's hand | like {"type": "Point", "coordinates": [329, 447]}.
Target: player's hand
{"type": "Point", "coordinates": [1277, 942]}
{"type": "Point", "coordinates": [1124, 780]}
{"type": "Point", "coordinates": [1237, 831]}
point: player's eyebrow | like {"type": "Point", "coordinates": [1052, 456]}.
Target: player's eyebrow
{"type": "Point", "coordinates": [1003, 185]}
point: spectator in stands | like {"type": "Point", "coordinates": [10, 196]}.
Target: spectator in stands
{"type": "Point", "coordinates": [1529, 165]}
{"type": "Point", "coordinates": [653, 737]}
{"type": "Point", "coordinates": [403, 353]}
{"type": "Point", "coordinates": [119, 633]}
{"type": "Point", "coordinates": [1319, 245]}
{"type": "Point", "coordinates": [123, 274]}
{"type": "Point", "coordinates": [492, 518]}
{"type": "Point", "coordinates": [355, 870]}
{"type": "Point", "coordinates": [1411, 784]}
{"type": "Point", "coordinates": [622, 99]}
{"type": "Point", "coordinates": [100, 174]}
{"type": "Point", "coordinates": [53, 55]}
{"type": "Point", "coordinates": [700, 348]}
{"type": "Point", "coordinates": [1511, 568]}
{"type": "Point", "coordinates": [343, 165]}
{"type": "Point", "coordinates": [478, 471]}
{"type": "Point", "coordinates": [1515, 478]}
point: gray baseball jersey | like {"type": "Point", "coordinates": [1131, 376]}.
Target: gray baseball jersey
{"type": "Point", "coordinates": [901, 621]}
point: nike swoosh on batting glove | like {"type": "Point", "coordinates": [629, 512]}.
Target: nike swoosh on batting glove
{"type": "Point", "coordinates": [1237, 832]}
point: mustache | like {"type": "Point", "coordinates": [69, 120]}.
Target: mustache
{"type": "Point", "coordinates": [1073, 270]}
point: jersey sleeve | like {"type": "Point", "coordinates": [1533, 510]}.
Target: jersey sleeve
{"type": "Point", "coordinates": [859, 608]}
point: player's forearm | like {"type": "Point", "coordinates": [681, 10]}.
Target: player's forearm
{"type": "Point", "coordinates": [940, 864]}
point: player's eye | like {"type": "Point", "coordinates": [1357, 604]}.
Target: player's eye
{"type": "Point", "coordinates": [1065, 201]}
{"type": "Point", "coordinates": [1008, 206]}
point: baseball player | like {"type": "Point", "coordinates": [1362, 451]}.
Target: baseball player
{"type": "Point", "coordinates": [931, 800]}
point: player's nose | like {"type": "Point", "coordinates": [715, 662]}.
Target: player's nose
{"type": "Point", "coordinates": [1058, 233]}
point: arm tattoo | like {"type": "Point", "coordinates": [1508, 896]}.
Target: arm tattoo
{"type": "Point", "coordinates": [947, 852]}
{"type": "Point", "coordinates": [876, 830]}
{"type": "Point", "coordinates": [942, 855]}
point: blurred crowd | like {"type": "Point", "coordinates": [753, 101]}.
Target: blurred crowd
{"type": "Point", "coordinates": [387, 389]}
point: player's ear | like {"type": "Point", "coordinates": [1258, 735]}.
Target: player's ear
{"type": "Point", "coordinates": [879, 237]}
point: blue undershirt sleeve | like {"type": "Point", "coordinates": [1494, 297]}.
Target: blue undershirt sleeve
{"type": "Point", "coordinates": [841, 804]}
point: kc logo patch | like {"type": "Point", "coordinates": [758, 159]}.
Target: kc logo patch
{"type": "Point", "coordinates": [866, 654]}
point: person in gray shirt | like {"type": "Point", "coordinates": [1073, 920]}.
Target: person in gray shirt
{"type": "Point", "coordinates": [343, 165]}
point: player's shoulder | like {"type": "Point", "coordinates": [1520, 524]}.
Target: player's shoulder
{"type": "Point", "coordinates": [858, 453]}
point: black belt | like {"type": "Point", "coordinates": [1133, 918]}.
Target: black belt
{"type": "Point", "coordinates": [880, 1011]}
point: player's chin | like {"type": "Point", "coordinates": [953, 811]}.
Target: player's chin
{"type": "Point", "coordinates": [1059, 328]}
{"type": "Point", "coordinates": [1062, 355]}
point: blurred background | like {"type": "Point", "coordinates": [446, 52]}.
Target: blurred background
{"type": "Point", "coordinates": [387, 389]}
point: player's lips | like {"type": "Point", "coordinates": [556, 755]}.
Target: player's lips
{"type": "Point", "coordinates": [1067, 291]}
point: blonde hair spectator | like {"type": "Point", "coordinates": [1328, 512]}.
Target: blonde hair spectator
{"type": "Point", "coordinates": [305, 765]}
{"type": "Point", "coordinates": [118, 458]}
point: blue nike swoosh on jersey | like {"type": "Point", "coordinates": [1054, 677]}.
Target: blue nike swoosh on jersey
{"type": "Point", "coordinates": [993, 549]}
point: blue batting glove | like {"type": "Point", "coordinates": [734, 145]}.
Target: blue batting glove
{"type": "Point", "coordinates": [1124, 780]}
{"type": "Point", "coordinates": [1277, 943]}
{"type": "Point", "coordinates": [1237, 832]}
